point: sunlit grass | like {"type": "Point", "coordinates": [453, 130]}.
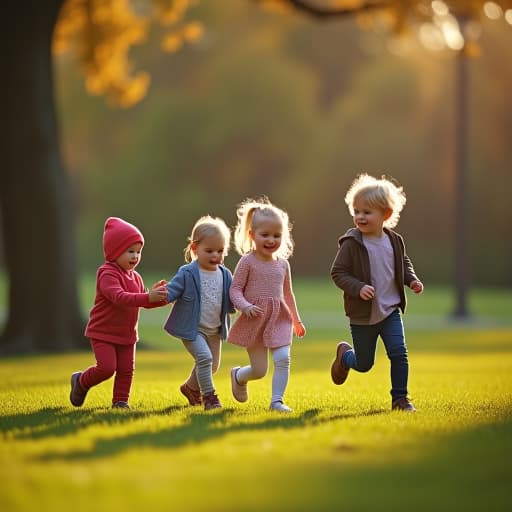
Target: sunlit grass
{"type": "Point", "coordinates": [341, 449]}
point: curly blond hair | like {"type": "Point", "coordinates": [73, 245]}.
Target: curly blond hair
{"type": "Point", "coordinates": [384, 193]}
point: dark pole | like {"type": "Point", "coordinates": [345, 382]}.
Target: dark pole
{"type": "Point", "coordinates": [461, 208]}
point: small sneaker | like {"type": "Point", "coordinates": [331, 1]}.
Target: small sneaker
{"type": "Point", "coordinates": [120, 405]}
{"type": "Point", "coordinates": [402, 404]}
{"type": "Point", "coordinates": [280, 407]}
{"type": "Point", "coordinates": [239, 390]}
{"type": "Point", "coordinates": [193, 396]}
{"type": "Point", "coordinates": [211, 401]}
{"type": "Point", "coordinates": [78, 393]}
{"type": "Point", "coordinates": [339, 371]}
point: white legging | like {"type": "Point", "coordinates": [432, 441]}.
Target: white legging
{"type": "Point", "coordinates": [206, 353]}
{"type": "Point", "coordinates": [258, 356]}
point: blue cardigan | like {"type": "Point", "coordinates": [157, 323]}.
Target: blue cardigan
{"type": "Point", "coordinates": [184, 289]}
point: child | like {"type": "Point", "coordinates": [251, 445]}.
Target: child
{"type": "Point", "coordinates": [372, 267]}
{"type": "Point", "coordinates": [262, 291]}
{"type": "Point", "coordinates": [200, 315]}
{"type": "Point", "coordinates": [112, 326]}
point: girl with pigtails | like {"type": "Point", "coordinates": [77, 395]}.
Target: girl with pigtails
{"type": "Point", "coordinates": [262, 291]}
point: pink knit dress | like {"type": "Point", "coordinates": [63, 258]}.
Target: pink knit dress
{"type": "Point", "coordinates": [266, 284]}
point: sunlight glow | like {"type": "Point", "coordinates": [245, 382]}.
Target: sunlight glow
{"type": "Point", "coordinates": [508, 16]}
{"type": "Point", "coordinates": [452, 35]}
{"type": "Point", "coordinates": [431, 37]}
{"type": "Point", "coordinates": [440, 8]}
{"type": "Point", "coordinates": [492, 10]}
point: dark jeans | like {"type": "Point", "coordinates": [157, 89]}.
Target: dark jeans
{"type": "Point", "coordinates": [362, 357]}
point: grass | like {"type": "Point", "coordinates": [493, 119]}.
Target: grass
{"type": "Point", "coordinates": [341, 449]}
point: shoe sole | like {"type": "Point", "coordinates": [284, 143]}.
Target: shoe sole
{"type": "Point", "coordinates": [191, 399]}
{"type": "Point", "coordinates": [75, 377]}
{"type": "Point", "coordinates": [335, 376]}
{"type": "Point", "coordinates": [235, 385]}
{"type": "Point", "coordinates": [284, 410]}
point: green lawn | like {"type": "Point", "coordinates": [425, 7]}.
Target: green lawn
{"type": "Point", "coordinates": [341, 449]}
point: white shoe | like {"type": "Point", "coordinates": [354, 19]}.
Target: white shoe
{"type": "Point", "coordinates": [239, 390]}
{"type": "Point", "coordinates": [280, 407]}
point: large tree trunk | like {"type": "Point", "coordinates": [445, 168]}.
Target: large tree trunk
{"type": "Point", "coordinates": [36, 207]}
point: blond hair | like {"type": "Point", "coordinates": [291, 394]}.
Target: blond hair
{"type": "Point", "coordinates": [251, 213]}
{"type": "Point", "coordinates": [205, 227]}
{"type": "Point", "coordinates": [383, 193]}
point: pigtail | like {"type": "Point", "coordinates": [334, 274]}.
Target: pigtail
{"type": "Point", "coordinates": [187, 252]}
{"type": "Point", "coordinates": [242, 239]}
{"type": "Point", "coordinates": [246, 213]}
{"type": "Point", "coordinates": [204, 227]}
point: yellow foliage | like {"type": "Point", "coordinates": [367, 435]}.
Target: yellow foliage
{"type": "Point", "coordinates": [277, 6]}
{"type": "Point", "coordinates": [193, 32]}
{"type": "Point", "coordinates": [101, 34]}
{"type": "Point", "coordinates": [171, 43]}
{"type": "Point", "coordinates": [171, 12]}
{"type": "Point", "coordinates": [399, 17]}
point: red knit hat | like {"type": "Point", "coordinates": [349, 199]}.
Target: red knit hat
{"type": "Point", "coordinates": [118, 236]}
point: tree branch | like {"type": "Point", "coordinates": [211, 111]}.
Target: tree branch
{"type": "Point", "coordinates": [333, 12]}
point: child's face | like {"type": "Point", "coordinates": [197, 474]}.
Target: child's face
{"type": "Point", "coordinates": [131, 257]}
{"type": "Point", "coordinates": [267, 238]}
{"type": "Point", "coordinates": [209, 251]}
{"type": "Point", "coordinates": [369, 219]}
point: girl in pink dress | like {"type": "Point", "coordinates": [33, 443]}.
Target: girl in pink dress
{"type": "Point", "coordinates": [262, 291]}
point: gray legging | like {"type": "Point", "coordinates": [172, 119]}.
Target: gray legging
{"type": "Point", "coordinates": [258, 368]}
{"type": "Point", "coordinates": [205, 350]}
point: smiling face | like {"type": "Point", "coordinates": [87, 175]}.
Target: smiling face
{"type": "Point", "coordinates": [209, 252]}
{"type": "Point", "coordinates": [369, 219]}
{"type": "Point", "coordinates": [131, 257]}
{"type": "Point", "coordinates": [267, 237]}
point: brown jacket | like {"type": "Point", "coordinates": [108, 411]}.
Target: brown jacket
{"type": "Point", "coordinates": [350, 271]}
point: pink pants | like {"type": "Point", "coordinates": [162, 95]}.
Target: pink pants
{"type": "Point", "coordinates": [111, 358]}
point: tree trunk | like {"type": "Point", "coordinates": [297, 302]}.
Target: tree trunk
{"type": "Point", "coordinates": [461, 199]}
{"type": "Point", "coordinates": [36, 207]}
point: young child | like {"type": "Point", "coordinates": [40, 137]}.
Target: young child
{"type": "Point", "coordinates": [112, 326]}
{"type": "Point", "coordinates": [262, 291]}
{"type": "Point", "coordinates": [372, 267]}
{"type": "Point", "coordinates": [200, 315]}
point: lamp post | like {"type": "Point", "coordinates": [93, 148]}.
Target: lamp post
{"type": "Point", "coordinates": [461, 179]}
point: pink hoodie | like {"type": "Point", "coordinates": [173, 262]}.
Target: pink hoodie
{"type": "Point", "coordinates": [119, 293]}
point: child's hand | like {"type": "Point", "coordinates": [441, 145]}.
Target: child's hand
{"type": "Point", "coordinates": [158, 293]}
{"type": "Point", "coordinates": [162, 282]}
{"type": "Point", "coordinates": [367, 292]}
{"type": "Point", "coordinates": [416, 286]}
{"type": "Point", "coordinates": [252, 311]}
{"type": "Point", "coordinates": [299, 330]}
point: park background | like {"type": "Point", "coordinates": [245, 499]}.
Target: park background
{"type": "Point", "coordinates": [293, 108]}
{"type": "Point", "coordinates": [283, 105]}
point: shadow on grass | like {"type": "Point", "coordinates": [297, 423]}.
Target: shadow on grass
{"type": "Point", "coordinates": [468, 471]}
{"type": "Point", "coordinates": [199, 428]}
{"type": "Point", "coordinates": [58, 421]}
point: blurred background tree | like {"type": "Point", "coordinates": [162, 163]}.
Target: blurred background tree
{"type": "Point", "coordinates": [439, 24]}
{"type": "Point", "coordinates": [37, 201]}
{"type": "Point", "coordinates": [261, 103]}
